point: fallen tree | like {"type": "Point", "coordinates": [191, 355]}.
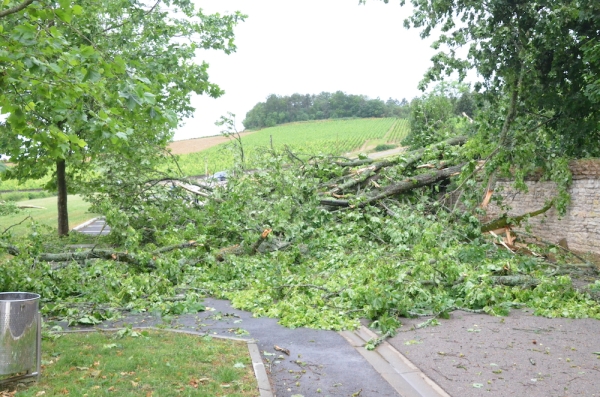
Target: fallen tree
{"type": "Point", "coordinates": [273, 242]}
{"type": "Point", "coordinates": [405, 160]}
{"type": "Point", "coordinates": [399, 188]}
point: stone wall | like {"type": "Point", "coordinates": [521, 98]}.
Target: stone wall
{"type": "Point", "coordinates": [580, 226]}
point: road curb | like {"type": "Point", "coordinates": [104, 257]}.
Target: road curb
{"type": "Point", "coordinates": [405, 377]}
{"type": "Point", "coordinates": [264, 384]}
{"type": "Point", "coordinates": [260, 372]}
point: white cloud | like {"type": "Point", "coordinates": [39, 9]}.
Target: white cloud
{"type": "Point", "coordinates": [309, 46]}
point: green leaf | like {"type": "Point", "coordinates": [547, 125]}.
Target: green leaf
{"type": "Point", "coordinates": [150, 98]}
{"type": "Point", "coordinates": [90, 320]}
{"type": "Point", "coordinates": [55, 68]}
{"type": "Point", "coordinates": [120, 65]}
{"type": "Point", "coordinates": [92, 75]}
{"type": "Point", "coordinates": [171, 118]}
{"type": "Point", "coordinates": [77, 9]}
{"type": "Point", "coordinates": [64, 15]}
{"type": "Point", "coordinates": [143, 79]}
{"type": "Point", "coordinates": [87, 51]}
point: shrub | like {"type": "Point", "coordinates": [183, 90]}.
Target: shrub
{"type": "Point", "coordinates": [385, 146]}
{"type": "Point", "coordinates": [22, 196]}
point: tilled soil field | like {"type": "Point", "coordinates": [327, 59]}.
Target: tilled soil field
{"type": "Point", "coordinates": [199, 144]}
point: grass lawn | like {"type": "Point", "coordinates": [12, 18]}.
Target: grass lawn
{"type": "Point", "coordinates": [143, 363]}
{"type": "Point", "coordinates": [78, 213]}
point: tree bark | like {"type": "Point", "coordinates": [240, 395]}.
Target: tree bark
{"type": "Point", "coordinates": [16, 8]}
{"type": "Point", "coordinates": [506, 220]}
{"type": "Point", "coordinates": [515, 281]}
{"type": "Point", "coordinates": [409, 157]}
{"type": "Point", "coordinates": [401, 187]}
{"type": "Point", "coordinates": [61, 184]}
{"type": "Point", "coordinates": [405, 159]}
{"type": "Point", "coordinates": [106, 254]}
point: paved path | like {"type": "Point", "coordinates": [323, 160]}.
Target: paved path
{"type": "Point", "coordinates": [96, 226]}
{"type": "Point", "coordinates": [320, 363]}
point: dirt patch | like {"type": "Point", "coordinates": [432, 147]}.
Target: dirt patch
{"type": "Point", "coordinates": [387, 153]}
{"type": "Point", "coordinates": [376, 155]}
{"type": "Point", "coordinates": [199, 144]}
{"type": "Point", "coordinates": [518, 355]}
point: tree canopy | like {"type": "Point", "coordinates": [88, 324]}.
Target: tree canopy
{"type": "Point", "coordinates": [80, 81]}
{"type": "Point", "coordinates": [285, 109]}
{"type": "Point", "coordinates": [538, 57]}
{"type": "Point", "coordinates": [538, 72]}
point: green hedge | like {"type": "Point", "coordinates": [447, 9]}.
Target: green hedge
{"type": "Point", "coordinates": [22, 196]}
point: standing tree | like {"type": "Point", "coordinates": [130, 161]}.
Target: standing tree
{"type": "Point", "coordinates": [539, 71]}
{"type": "Point", "coordinates": [81, 81]}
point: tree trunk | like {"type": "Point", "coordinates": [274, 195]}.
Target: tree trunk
{"type": "Point", "coordinates": [61, 184]}
{"type": "Point", "coordinates": [401, 187]}
{"type": "Point", "coordinates": [106, 254]}
{"type": "Point", "coordinates": [405, 159]}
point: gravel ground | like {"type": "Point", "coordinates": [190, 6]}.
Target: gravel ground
{"type": "Point", "coordinates": [518, 355]}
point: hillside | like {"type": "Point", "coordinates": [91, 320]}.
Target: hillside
{"type": "Point", "coordinates": [331, 137]}
{"type": "Point", "coordinates": [199, 144]}
{"type": "Point", "coordinates": [334, 137]}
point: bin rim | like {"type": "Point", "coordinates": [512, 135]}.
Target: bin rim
{"type": "Point", "coordinates": [27, 296]}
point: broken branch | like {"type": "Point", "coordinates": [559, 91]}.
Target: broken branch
{"type": "Point", "coordinates": [406, 160]}
{"type": "Point", "coordinates": [510, 221]}
{"type": "Point", "coordinates": [401, 187]}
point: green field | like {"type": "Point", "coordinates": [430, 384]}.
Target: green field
{"type": "Point", "coordinates": [398, 132]}
{"type": "Point", "coordinates": [78, 213]}
{"type": "Point", "coordinates": [12, 185]}
{"type": "Point", "coordinates": [332, 137]}
{"type": "Point", "coordinates": [336, 137]}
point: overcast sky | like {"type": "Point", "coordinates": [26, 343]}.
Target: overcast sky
{"type": "Point", "coordinates": [307, 47]}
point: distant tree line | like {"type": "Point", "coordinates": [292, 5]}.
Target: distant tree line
{"type": "Point", "coordinates": [455, 100]}
{"type": "Point", "coordinates": [285, 109]}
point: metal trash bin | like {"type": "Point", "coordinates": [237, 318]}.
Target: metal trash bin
{"type": "Point", "coordinates": [20, 336]}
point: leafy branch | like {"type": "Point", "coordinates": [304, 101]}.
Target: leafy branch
{"type": "Point", "coordinates": [15, 9]}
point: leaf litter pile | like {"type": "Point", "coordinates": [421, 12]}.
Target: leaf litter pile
{"type": "Point", "coordinates": [314, 241]}
{"type": "Point", "coordinates": [148, 363]}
